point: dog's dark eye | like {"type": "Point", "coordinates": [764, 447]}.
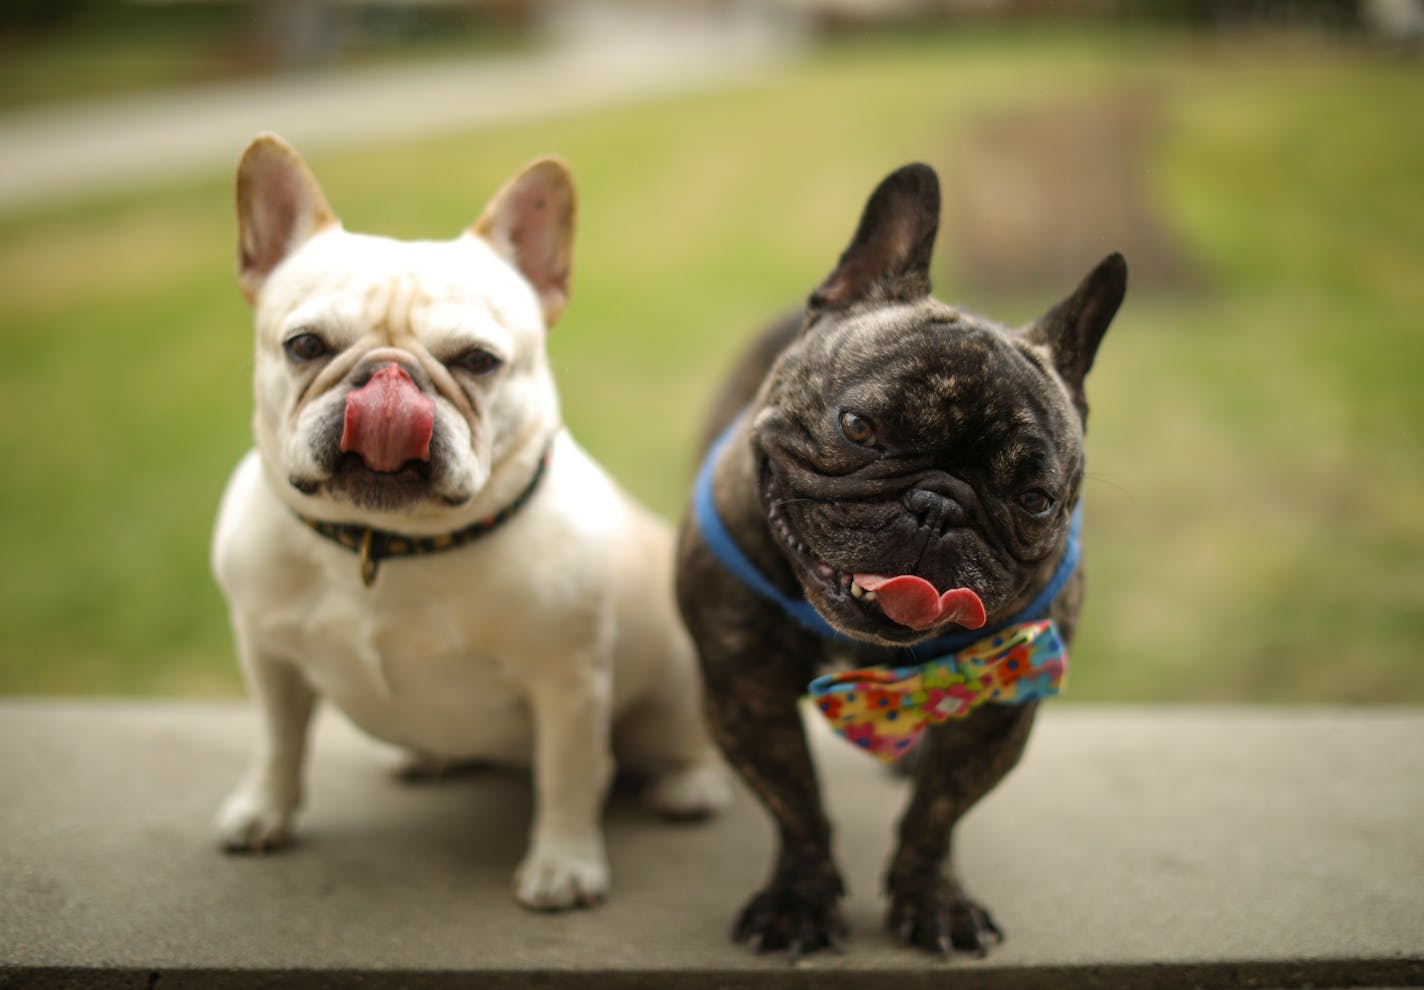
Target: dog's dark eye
{"type": "Point", "coordinates": [857, 429]}
{"type": "Point", "coordinates": [305, 347]}
{"type": "Point", "coordinates": [1035, 501]}
{"type": "Point", "coordinates": [477, 361]}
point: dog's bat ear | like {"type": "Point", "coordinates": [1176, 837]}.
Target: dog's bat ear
{"type": "Point", "coordinates": [889, 257]}
{"type": "Point", "coordinates": [530, 223]}
{"type": "Point", "coordinates": [279, 206]}
{"type": "Point", "coordinates": [1073, 329]}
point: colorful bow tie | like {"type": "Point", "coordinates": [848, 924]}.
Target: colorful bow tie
{"type": "Point", "coordinates": [883, 710]}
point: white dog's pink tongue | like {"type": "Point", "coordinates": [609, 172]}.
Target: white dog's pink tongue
{"type": "Point", "coordinates": [914, 602]}
{"type": "Point", "coordinates": [388, 420]}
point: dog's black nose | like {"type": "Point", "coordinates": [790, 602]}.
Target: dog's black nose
{"type": "Point", "coordinates": [935, 510]}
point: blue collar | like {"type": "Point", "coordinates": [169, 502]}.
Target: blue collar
{"type": "Point", "coordinates": [725, 549]}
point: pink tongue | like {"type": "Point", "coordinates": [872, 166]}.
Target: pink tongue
{"type": "Point", "coordinates": [912, 601]}
{"type": "Point", "coordinates": [388, 421]}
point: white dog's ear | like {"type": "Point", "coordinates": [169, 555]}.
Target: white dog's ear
{"type": "Point", "coordinates": [530, 223]}
{"type": "Point", "coordinates": [279, 206]}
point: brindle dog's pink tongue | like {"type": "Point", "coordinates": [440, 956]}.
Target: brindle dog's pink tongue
{"type": "Point", "coordinates": [388, 421]}
{"type": "Point", "coordinates": [912, 601]}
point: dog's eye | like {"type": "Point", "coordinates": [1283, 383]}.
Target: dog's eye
{"type": "Point", "coordinates": [857, 429]}
{"type": "Point", "coordinates": [477, 361]}
{"type": "Point", "coordinates": [1035, 501]}
{"type": "Point", "coordinates": [305, 346]}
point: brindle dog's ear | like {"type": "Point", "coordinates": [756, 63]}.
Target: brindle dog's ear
{"type": "Point", "coordinates": [1073, 329]}
{"type": "Point", "coordinates": [889, 258]}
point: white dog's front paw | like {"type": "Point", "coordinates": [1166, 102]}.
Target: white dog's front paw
{"type": "Point", "coordinates": [558, 874]}
{"type": "Point", "coordinates": [689, 793]}
{"type": "Point", "coordinates": [253, 820]}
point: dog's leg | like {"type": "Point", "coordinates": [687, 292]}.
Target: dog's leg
{"type": "Point", "coordinates": [257, 815]}
{"type": "Point", "coordinates": [755, 719]}
{"type": "Point", "coordinates": [567, 865]}
{"type": "Point", "coordinates": [692, 785]}
{"type": "Point", "coordinates": [664, 739]}
{"type": "Point", "coordinates": [958, 763]}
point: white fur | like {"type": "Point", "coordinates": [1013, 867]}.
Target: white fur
{"type": "Point", "coordinates": [529, 646]}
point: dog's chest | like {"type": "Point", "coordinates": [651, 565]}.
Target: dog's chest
{"type": "Point", "coordinates": [415, 672]}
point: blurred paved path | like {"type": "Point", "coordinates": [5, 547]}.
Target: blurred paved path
{"type": "Point", "coordinates": [52, 153]}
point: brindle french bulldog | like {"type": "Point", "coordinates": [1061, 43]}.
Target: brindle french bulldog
{"type": "Point", "coordinates": [883, 432]}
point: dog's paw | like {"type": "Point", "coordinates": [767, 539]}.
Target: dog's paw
{"type": "Point", "coordinates": [689, 793]}
{"type": "Point", "coordinates": [253, 821]}
{"type": "Point", "coordinates": [939, 916]}
{"type": "Point", "coordinates": [560, 874]}
{"type": "Point", "coordinates": [799, 914]}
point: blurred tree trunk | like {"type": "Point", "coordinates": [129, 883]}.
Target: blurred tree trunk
{"type": "Point", "coordinates": [295, 34]}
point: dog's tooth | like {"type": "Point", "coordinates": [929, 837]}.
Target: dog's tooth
{"type": "Point", "coordinates": [856, 590]}
{"type": "Point", "coordinates": [870, 596]}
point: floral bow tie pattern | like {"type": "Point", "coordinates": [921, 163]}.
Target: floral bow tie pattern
{"type": "Point", "coordinates": [883, 710]}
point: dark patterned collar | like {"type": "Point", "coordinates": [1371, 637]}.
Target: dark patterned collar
{"type": "Point", "coordinates": [374, 545]}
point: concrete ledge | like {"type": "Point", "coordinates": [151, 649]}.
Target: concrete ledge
{"type": "Point", "coordinates": [1135, 847]}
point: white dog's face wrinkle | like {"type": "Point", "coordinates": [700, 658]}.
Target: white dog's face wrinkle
{"type": "Point", "coordinates": [963, 409]}
{"type": "Point", "coordinates": [425, 309]}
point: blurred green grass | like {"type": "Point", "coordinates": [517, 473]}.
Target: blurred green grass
{"type": "Point", "coordinates": [1256, 501]}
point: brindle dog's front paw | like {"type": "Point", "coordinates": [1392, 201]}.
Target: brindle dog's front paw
{"type": "Point", "coordinates": [938, 915]}
{"type": "Point", "coordinates": [799, 914]}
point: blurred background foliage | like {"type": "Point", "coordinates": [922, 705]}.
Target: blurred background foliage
{"type": "Point", "coordinates": [1255, 508]}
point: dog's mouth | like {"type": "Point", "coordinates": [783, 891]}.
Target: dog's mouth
{"type": "Point", "coordinates": [354, 466]}
{"type": "Point", "coordinates": [906, 602]}
{"type": "Point", "coordinates": [353, 480]}
{"type": "Point", "coordinates": [911, 601]}
{"type": "Point", "coordinates": [380, 450]}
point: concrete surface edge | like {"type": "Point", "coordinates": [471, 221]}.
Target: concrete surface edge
{"type": "Point", "coordinates": [1318, 974]}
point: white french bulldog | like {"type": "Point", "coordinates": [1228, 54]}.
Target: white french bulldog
{"type": "Point", "coordinates": [417, 537]}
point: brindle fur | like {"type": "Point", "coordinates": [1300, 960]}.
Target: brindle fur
{"type": "Point", "coordinates": [968, 404]}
